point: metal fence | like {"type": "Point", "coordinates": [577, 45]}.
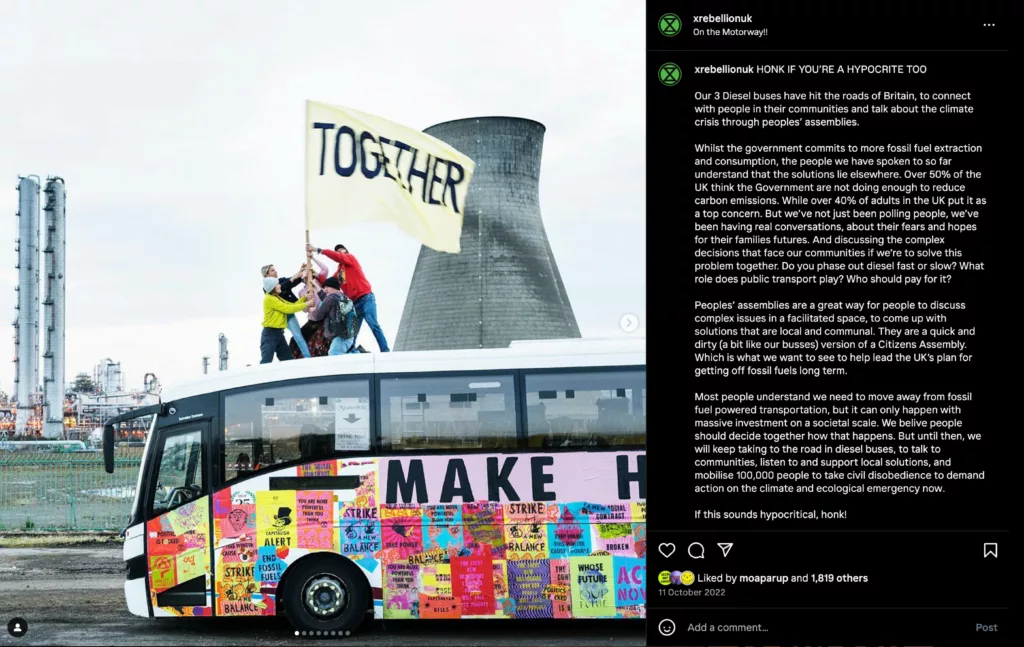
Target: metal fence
{"type": "Point", "coordinates": [66, 491]}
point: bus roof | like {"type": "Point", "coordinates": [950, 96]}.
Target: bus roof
{"type": "Point", "coordinates": [562, 353]}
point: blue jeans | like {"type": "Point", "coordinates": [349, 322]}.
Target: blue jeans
{"type": "Point", "coordinates": [296, 330]}
{"type": "Point", "coordinates": [366, 308]}
{"type": "Point", "coordinates": [340, 346]}
{"type": "Point", "coordinates": [272, 343]}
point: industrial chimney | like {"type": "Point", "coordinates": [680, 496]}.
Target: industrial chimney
{"type": "Point", "coordinates": [26, 326]}
{"type": "Point", "coordinates": [504, 284]}
{"type": "Point", "coordinates": [223, 352]}
{"type": "Point", "coordinates": [55, 254]}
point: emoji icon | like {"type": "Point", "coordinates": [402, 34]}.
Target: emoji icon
{"type": "Point", "coordinates": [666, 627]}
{"type": "Point", "coordinates": [687, 578]}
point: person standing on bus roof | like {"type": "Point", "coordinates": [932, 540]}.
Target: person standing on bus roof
{"type": "Point", "coordinates": [276, 311]}
{"type": "Point", "coordinates": [287, 285]}
{"type": "Point", "coordinates": [357, 288]}
{"type": "Point", "coordinates": [338, 314]}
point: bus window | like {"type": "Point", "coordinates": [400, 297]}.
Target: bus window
{"type": "Point", "coordinates": [313, 421]}
{"type": "Point", "coordinates": [448, 412]}
{"type": "Point", "coordinates": [179, 478]}
{"type": "Point", "coordinates": [586, 409]}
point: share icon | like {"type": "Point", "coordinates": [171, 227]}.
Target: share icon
{"type": "Point", "coordinates": [726, 547]}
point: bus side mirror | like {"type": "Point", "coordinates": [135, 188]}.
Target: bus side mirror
{"type": "Point", "coordinates": [108, 448]}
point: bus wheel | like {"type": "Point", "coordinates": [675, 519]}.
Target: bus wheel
{"type": "Point", "coordinates": [326, 595]}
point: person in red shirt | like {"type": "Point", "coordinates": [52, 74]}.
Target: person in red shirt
{"type": "Point", "coordinates": [357, 289]}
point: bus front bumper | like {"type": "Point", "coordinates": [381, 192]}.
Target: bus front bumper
{"type": "Point", "coordinates": [135, 596]}
{"type": "Point", "coordinates": [136, 591]}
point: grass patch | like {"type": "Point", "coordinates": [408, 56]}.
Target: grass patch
{"type": "Point", "coordinates": [57, 540]}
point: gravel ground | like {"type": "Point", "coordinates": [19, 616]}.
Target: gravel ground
{"type": "Point", "coordinates": [74, 596]}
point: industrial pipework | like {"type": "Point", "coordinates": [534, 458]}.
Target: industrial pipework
{"type": "Point", "coordinates": [26, 325]}
{"type": "Point", "coordinates": [55, 255]}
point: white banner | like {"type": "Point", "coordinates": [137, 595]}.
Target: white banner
{"type": "Point", "coordinates": [361, 168]}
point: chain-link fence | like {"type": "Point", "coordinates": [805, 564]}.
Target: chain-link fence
{"type": "Point", "coordinates": [66, 491]}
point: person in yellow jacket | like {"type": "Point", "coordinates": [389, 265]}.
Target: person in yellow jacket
{"type": "Point", "coordinates": [275, 320]}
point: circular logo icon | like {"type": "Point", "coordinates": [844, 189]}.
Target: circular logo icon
{"type": "Point", "coordinates": [687, 578]}
{"type": "Point", "coordinates": [664, 578]}
{"type": "Point", "coordinates": [676, 577]}
{"type": "Point", "coordinates": [17, 627]}
{"type": "Point", "coordinates": [669, 25]}
{"type": "Point", "coordinates": [670, 74]}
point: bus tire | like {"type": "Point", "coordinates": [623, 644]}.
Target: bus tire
{"type": "Point", "coordinates": [326, 594]}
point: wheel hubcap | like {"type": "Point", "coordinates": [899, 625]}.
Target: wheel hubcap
{"type": "Point", "coordinates": [325, 596]}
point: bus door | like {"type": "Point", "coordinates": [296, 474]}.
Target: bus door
{"type": "Point", "coordinates": [178, 533]}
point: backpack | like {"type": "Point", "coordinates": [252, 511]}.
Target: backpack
{"type": "Point", "coordinates": [341, 320]}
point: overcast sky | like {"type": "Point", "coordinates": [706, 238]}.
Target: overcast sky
{"type": "Point", "coordinates": [178, 127]}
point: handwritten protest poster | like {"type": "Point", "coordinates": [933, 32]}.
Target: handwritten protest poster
{"type": "Point", "coordinates": [323, 468]}
{"type": "Point", "coordinates": [592, 587]}
{"type": "Point", "coordinates": [437, 580]}
{"type": "Point", "coordinates": [401, 591]}
{"type": "Point", "coordinates": [484, 529]}
{"type": "Point", "coordinates": [559, 594]}
{"type": "Point", "coordinates": [615, 538]}
{"type": "Point", "coordinates": [501, 595]}
{"type": "Point", "coordinates": [526, 535]}
{"type": "Point", "coordinates": [162, 572]}
{"type": "Point", "coordinates": [191, 564]}
{"type": "Point", "coordinates": [611, 513]}
{"type": "Point", "coordinates": [236, 585]}
{"type": "Point", "coordinates": [269, 564]}
{"type": "Point", "coordinates": [360, 532]}
{"type": "Point", "coordinates": [442, 525]}
{"type": "Point", "coordinates": [473, 584]}
{"type": "Point", "coordinates": [640, 539]}
{"type": "Point", "coordinates": [189, 517]}
{"type": "Point", "coordinates": [569, 537]}
{"type": "Point", "coordinates": [237, 521]}
{"type": "Point", "coordinates": [161, 538]}
{"type": "Point", "coordinates": [630, 581]}
{"type": "Point", "coordinates": [241, 551]}
{"type": "Point", "coordinates": [440, 607]}
{"type": "Point", "coordinates": [402, 530]}
{"type": "Point", "coordinates": [639, 511]}
{"type": "Point", "coordinates": [275, 518]}
{"type": "Point", "coordinates": [527, 581]}
{"type": "Point", "coordinates": [316, 520]}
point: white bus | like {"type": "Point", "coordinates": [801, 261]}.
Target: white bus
{"type": "Point", "coordinates": [506, 483]}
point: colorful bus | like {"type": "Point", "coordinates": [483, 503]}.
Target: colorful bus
{"type": "Point", "coordinates": [505, 483]}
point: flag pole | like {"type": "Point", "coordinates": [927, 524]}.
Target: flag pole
{"type": "Point", "coordinates": [309, 254]}
{"type": "Point", "coordinates": [309, 269]}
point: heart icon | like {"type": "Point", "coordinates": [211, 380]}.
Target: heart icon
{"type": "Point", "coordinates": [666, 550]}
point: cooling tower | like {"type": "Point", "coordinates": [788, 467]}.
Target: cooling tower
{"type": "Point", "coordinates": [26, 326]}
{"type": "Point", "coordinates": [54, 253]}
{"type": "Point", "coordinates": [504, 284]}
